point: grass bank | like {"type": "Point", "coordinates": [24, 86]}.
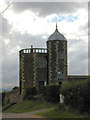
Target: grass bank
{"type": "Point", "coordinates": [28, 106]}
{"type": "Point", "coordinates": [56, 113]}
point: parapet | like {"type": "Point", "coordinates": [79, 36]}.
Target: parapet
{"type": "Point", "coordinates": [33, 50]}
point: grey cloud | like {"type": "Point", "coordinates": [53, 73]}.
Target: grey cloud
{"type": "Point", "coordinates": [10, 64]}
{"type": "Point", "coordinates": [78, 63]}
{"type": "Point", "coordinates": [9, 68]}
{"type": "Point", "coordinates": [25, 40]}
{"type": "Point", "coordinates": [5, 26]}
{"type": "Point", "coordinates": [47, 8]}
{"type": "Point", "coordinates": [84, 27]}
{"type": "Point", "coordinates": [78, 57]}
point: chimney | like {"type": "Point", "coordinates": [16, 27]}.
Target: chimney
{"type": "Point", "coordinates": [31, 48]}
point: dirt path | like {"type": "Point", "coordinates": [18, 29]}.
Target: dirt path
{"type": "Point", "coordinates": [25, 115]}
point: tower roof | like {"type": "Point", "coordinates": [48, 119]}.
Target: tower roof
{"type": "Point", "coordinates": [56, 35]}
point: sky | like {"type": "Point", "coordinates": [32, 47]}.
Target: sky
{"type": "Point", "coordinates": [31, 23]}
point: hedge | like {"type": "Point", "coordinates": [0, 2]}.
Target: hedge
{"type": "Point", "coordinates": [76, 94]}
{"type": "Point", "coordinates": [3, 97]}
{"type": "Point", "coordinates": [50, 92]}
{"type": "Point", "coordinates": [30, 93]}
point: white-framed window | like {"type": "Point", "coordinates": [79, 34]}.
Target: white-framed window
{"type": "Point", "coordinates": [60, 74]}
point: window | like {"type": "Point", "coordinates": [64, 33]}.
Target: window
{"type": "Point", "coordinates": [60, 55]}
{"type": "Point", "coordinates": [60, 75]}
{"type": "Point", "coordinates": [41, 63]}
{"type": "Point", "coordinates": [60, 83]}
{"type": "Point", "coordinates": [41, 83]}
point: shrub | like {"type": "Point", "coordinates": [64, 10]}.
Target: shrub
{"type": "Point", "coordinates": [76, 94]}
{"type": "Point", "coordinates": [50, 92]}
{"type": "Point", "coordinates": [15, 88]}
{"type": "Point", "coordinates": [61, 106]}
{"type": "Point", "coordinates": [30, 93]}
{"type": "Point", "coordinates": [3, 96]}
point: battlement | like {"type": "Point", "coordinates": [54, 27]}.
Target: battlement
{"type": "Point", "coordinates": [33, 50]}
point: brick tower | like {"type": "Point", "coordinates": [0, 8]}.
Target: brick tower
{"type": "Point", "coordinates": [57, 58]}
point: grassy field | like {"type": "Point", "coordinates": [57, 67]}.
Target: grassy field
{"type": "Point", "coordinates": [56, 113]}
{"type": "Point", "coordinates": [30, 105]}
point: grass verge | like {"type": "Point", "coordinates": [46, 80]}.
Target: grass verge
{"type": "Point", "coordinates": [56, 113]}
{"type": "Point", "coordinates": [28, 106]}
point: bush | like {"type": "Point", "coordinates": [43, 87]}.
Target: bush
{"type": "Point", "coordinates": [61, 106]}
{"type": "Point", "coordinates": [76, 94]}
{"type": "Point", "coordinates": [7, 106]}
{"type": "Point", "coordinates": [50, 92]}
{"type": "Point", "coordinates": [3, 96]}
{"type": "Point", "coordinates": [15, 88]}
{"type": "Point", "coordinates": [30, 93]}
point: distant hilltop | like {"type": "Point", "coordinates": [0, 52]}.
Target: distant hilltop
{"type": "Point", "coordinates": [6, 90]}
